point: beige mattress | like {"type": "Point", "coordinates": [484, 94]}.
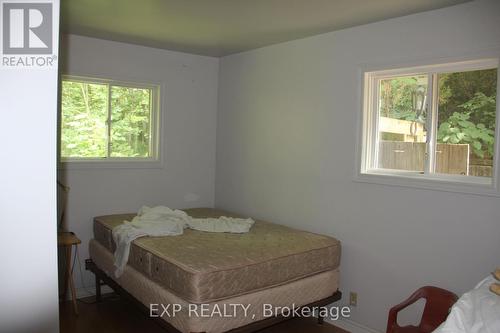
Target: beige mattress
{"type": "Point", "coordinates": [205, 267]}
{"type": "Point", "coordinates": [298, 293]}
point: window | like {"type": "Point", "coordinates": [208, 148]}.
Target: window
{"type": "Point", "coordinates": [434, 123]}
{"type": "Point", "coordinates": [108, 121]}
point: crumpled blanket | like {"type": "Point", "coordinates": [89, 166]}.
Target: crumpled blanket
{"type": "Point", "coordinates": [163, 221]}
{"type": "Point", "coordinates": [477, 311]}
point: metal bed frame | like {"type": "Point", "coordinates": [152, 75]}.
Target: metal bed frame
{"type": "Point", "coordinates": [102, 278]}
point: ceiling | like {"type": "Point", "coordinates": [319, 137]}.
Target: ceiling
{"type": "Point", "coordinates": [222, 27]}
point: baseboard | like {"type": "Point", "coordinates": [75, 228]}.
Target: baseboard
{"type": "Point", "coordinates": [343, 323]}
{"type": "Point", "coordinates": [351, 326]}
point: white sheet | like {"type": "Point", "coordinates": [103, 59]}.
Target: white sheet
{"type": "Point", "coordinates": [156, 221]}
{"type": "Point", "coordinates": [477, 311]}
{"type": "Point", "coordinates": [163, 221]}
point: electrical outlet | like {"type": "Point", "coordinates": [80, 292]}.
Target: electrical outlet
{"type": "Point", "coordinates": [353, 298]}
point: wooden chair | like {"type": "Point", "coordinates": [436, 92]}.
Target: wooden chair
{"type": "Point", "coordinates": [436, 309]}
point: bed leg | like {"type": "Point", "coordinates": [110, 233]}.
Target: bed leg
{"type": "Point", "coordinates": [98, 297]}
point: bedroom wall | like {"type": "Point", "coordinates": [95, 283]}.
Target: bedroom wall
{"type": "Point", "coordinates": [286, 141]}
{"type": "Point", "coordinates": [189, 106]}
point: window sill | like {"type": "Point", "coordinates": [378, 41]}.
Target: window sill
{"type": "Point", "coordinates": [448, 183]}
{"type": "Point", "coordinates": [110, 164]}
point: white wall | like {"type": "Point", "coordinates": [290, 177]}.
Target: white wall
{"type": "Point", "coordinates": [286, 143]}
{"type": "Point", "coordinates": [28, 240]}
{"type": "Point", "coordinates": [189, 106]}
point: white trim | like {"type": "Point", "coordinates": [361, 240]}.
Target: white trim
{"type": "Point", "coordinates": [344, 323]}
{"type": "Point", "coordinates": [432, 113]}
{"type": "Point", "coordinates": [111, 164]}
{"type": "Point", "coordinates": [442, 67]}
{"type": "Point", "coordinates": [109, 143]}
{"type": "Point", "coordinates": [156, 159]}
{"type": "Point", "coordinates": [351, 326]}
{"type": "Point", "coordinates": [422, 182]}
{"type": "Point", "coordinates": [365, 169]}
{"type": "Point", "coordinates": [375, 120]}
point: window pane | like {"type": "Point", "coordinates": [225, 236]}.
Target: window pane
{"type": "Point", "coordinates": [130, 122]}
{"type": "Point", "coordinates": [466, 123]}
{"type": "Point", "coordinates": [402, 116]}
{"type": "Point", "coordinates": [83, 124]}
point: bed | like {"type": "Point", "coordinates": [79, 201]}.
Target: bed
{"type": "Point", "coordinates": [272, 264]}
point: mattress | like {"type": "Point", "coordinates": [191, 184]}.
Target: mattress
{"type": "Point", "coordinates": [300, 292]}
{"type": "Point", "coordinates": [205, 267]}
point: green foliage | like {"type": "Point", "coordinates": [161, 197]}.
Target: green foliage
{"type": "Point", "coordinates": [84, 125]}
{"type": "Point", "coordinates": [482, 108]}
{"type": "Point", "coordinates": [467, 110]}
{"type": "Point", "coordinates": [459, 129]}
{"type": "Point", "coordinates": [456, 89]}
{"type": "Point", "coordinates": [398, 98]}
{"type": "Point", "coordinates": [130, 122]}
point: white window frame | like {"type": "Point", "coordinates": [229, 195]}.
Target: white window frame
{"type": "Point", "coordinates": [155, 122]}
{"type": "Point", "coordinates": [366, 170]}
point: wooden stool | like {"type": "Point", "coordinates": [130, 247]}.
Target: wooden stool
{"type": "Point", "coordinates": [67, 240]}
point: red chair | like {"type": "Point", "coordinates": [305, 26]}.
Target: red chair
{"type": "Point", "coordinates": [436, 309]}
